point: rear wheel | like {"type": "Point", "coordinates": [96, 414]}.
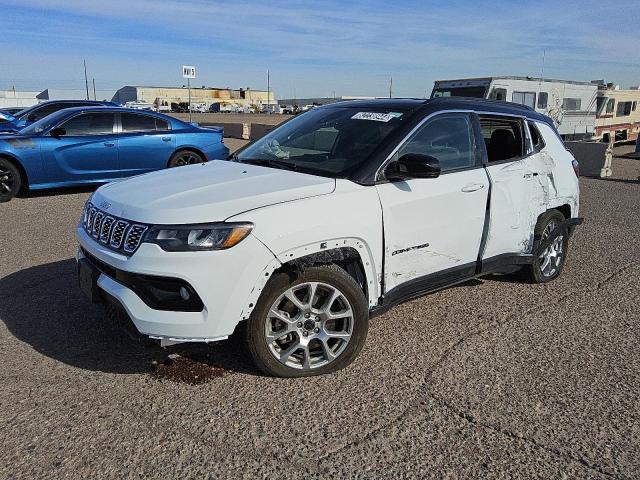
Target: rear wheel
{"type": "Point", "coordinates": [548, 265]}
{"type": "Point", "coordinates": [10, 180]}
{"type": "Point", "coordinates": [308, 323]}
{"type": "Point", "coordinates": [185, 157]}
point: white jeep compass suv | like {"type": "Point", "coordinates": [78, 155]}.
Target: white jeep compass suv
{"type": "Point", "coordinates": [333, 217]}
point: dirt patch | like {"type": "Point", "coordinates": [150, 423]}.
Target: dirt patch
{"type": "Point", "coordinates": [186, 370]}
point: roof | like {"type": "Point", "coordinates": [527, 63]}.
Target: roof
{"type": "Point", "coordinates": [513, 77]}
{"type": "Point", "coordinates": [193, 87]}
{"type": "Point", "coordinates": [447, 103]}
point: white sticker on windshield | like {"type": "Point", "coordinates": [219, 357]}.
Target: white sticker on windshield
{"type": "Point", "coordinates": [377, 117]}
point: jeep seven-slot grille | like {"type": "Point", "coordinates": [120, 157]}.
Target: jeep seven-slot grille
{"type": "Point", "coordinates": [116, 233]}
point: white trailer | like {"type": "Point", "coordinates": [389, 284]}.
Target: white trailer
{"type": "Point", "coordinates": [571, 105]}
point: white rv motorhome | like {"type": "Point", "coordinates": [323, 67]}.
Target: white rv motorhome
{"type": "Point", "coordinates": [571, 105]}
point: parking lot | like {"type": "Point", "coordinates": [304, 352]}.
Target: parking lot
{"type": "Point", "coordinates": [490, 379]}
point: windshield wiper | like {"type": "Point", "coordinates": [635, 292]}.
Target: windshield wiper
{"type": "Point", "coordinates": [263, 162]}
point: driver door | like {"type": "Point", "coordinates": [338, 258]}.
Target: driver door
{"type": "Point", "coordinates": [86, 152]}
{"type": "Point", "coordinates": [433, 226]}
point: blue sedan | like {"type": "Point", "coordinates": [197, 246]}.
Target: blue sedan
{"type": "Point", "coordinates": [92, 145]}
{"type": "Point", "coordinates": [29, 115]}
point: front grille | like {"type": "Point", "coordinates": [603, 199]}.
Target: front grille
{"type": "Point", "coordinates": [113, 232]}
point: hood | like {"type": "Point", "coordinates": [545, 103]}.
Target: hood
{"type": "Point", "coordinates": [208, 192]}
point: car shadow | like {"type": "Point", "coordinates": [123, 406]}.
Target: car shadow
{"type": "Point", "coordinates": [43, 307]}
{"type": "Point", "coordinates": [58, 191]}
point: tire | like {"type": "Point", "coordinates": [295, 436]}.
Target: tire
{"type": "Point", "coordinates": [324, 345]}
{"type": "Point", "coordinates": [185, 157]}
{"type": "Point", "coordinates": [10, 180]}
{"type": "Point", "coordinates": [540, 271]}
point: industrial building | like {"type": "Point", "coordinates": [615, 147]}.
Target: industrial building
{"type": "Point", "coordinates": [15, 98]}
{"type": "Point", "coordinates": [301, 102]}
{"type": "Point", "coordinates": [163, 98]}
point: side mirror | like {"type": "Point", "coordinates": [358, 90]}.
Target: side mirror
{"type": "Point", "coordinates": [413, 165]}
{"type": "Point", "coordinates": [58, 132]}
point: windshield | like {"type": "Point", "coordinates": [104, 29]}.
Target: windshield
{"type": "Point", "coordinates": [43, 124]}
{"type": "Point", "coordinates": [330, 142]}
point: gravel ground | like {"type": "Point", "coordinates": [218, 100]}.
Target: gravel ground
{"type": "Point", "coordinates": [491, 379]}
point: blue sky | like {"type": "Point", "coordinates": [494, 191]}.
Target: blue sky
{"type": "Point", "coordinates": [314, 48]}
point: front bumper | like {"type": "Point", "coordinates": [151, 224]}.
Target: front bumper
{"type": "Point", "coordinates": [222, 279]}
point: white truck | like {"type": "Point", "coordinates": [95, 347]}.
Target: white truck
{"type": "Point", "coordinates": [571, 105]}
{"type": "Point", "coordinates": [331, 218]}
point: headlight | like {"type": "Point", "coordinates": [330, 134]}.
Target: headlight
{"type": "Point", "coordinates": [209, 236]}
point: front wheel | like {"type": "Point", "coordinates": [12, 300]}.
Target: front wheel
{"type": "Point", "coordinates": [10, 180]}
{"type": "Point", "coordinates": [185, 157]}
{"type": "Point", "coordinates": [308, 323]}
{"type": "Point", "coordinates": [550, 262]}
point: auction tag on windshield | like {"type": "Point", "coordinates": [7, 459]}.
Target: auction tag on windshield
{"type": "Point", "coordinates": [376, 117]}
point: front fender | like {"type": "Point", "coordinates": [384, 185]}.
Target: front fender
{"type": "Point", "coordinates": [291, 255]}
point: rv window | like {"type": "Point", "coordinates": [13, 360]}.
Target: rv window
{"type": "Point", "coordinates": [543, 98]}
{"type": "Point", "coordinates": [499, 94]}
{"type": "Point", "coordinates": [475, 92]}
{"type": "Point", "coordinates": [624, 109]}
{"type": "Point", "coordinates": [635, 104]}
{"type": "Point", "coordinates": [524, 98]}
{"type": "Point", "coordinates": [610, 104]}
{"type": "Point", "coordinates": [503, 138]}
{"type": "Point", "coordinates": [536, 138]}
{"type": "Point", "coordinates": [571, 104]}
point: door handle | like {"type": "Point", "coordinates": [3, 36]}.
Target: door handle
{"type": "Point", "coordinates": [472, 187]}
{"type": "Point", "coordinates": [166, 139]}
{"type": "Point", "coordinates": [109, 144]}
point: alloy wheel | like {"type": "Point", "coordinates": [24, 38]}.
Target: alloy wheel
{"type": "Point", "coordinates": [7, 181]}
{"type": "Point", "coordinates": [551, 259]}
{"type": "Point", "coordinates": [309, 325]}
{"type": "Point", "coordinates": [187, 158]}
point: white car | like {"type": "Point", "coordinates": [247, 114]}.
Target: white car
{"type": "Point", "coordinates": [328, 220]}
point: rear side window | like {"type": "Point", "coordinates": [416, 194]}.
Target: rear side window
{"type": "Point", "coordinates": [536, 137]}
{"type": "Point", "coordinates": [90, 124]}
{"type": "Point", "coordinates": [133, 122]}
{"type": "Point", "coordinates": [448, 138]}
{"type": "Point", "coordinates": [503, 138]}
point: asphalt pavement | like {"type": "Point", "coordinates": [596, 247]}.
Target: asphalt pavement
{"type": "Point", "coordinates": [491, 379]}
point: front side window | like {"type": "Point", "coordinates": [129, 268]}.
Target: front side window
{"type": "Point", "coordinates": [543, 100]}
{"type": "Point", "coordinates": [89, 124]}
{"type": "Point", "coordinates": [326, 141]}
{"type": "Point", "coordinates": [499, 94]}
{"type": "Point", "coordinates": [610, 105]}
{"type": "Point", "coordinates": [448, 138]}
{"type": "Point", "coordinates": [503, 138]}
{"type": "Point", "coordinates": [133, 122]}
{"type": "Point", "coordinates": [524, 98]}
{"type": "Point", "coordinates": [39, 113]}
{"type": "Point", "coordinates": [571, 104]}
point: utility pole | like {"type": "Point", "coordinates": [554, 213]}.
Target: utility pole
{"type": "Point", "coordinates": [268, 93]}
{"type": "Point", "coordinates": [94, 89]}
{"type": "Point", "coordinates": [189, 87]}
{"type": "Point", "coordinates": [390, 86]}
{"type": "Point", "coordinates": [86, 81]}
